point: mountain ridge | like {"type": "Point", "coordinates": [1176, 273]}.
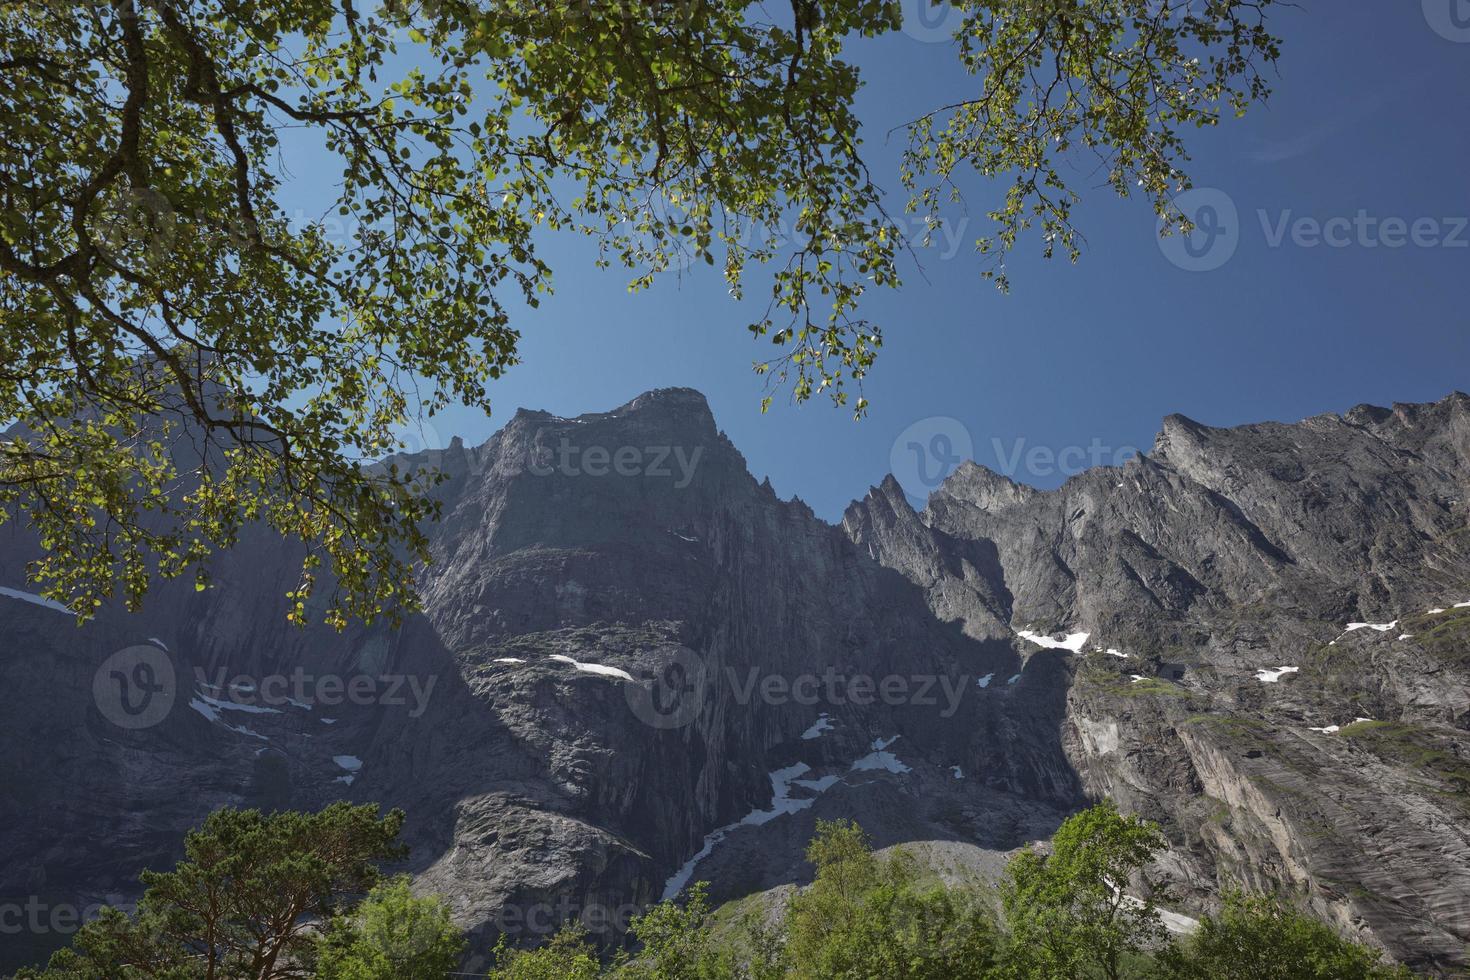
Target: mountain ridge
{"type": "Point", "coordinates": [576, 552]}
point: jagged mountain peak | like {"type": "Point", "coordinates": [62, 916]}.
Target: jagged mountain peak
{"type": "Point", "coordinates": [1186, 650]}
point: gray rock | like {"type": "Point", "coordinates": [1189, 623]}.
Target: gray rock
{"type": "Point", "coordinates": [635, 542]}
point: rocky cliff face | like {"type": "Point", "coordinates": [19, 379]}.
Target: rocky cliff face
{"type": "Point", "coordinates": [1262, 673]}
{"type": "Point", "coordinates": [637, 667]}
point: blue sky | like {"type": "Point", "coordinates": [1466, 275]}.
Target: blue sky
{"type": "Point", "coordinates": [1370, 124]}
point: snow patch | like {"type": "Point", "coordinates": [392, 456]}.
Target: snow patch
{"type": "Point", "coordinates": [222, 705]}
{"type": "Point", "coordinates": [508, 660]}
{"type": "Point", "coordinates": [1181, 925]}
{"type": "Point", "coordinates": [781, 803]}
{"type": "Point", "coordinates": [818, 727]}
{"type": "Point", "coordinates": [1380, 627]}
{"type": "Point", "coordinates": [1327, 730]}
{"type": "Point", "coordinates": [329, 721]}
{"type": "Point", "coordinates": [958, 773]}
{"type": "Point", "coordinates": [234, 705]}
{"type": "Point", "coordinates": [1072, 641]}
{"type": "Point", "coordinates": [598, 669]}
{"type": "Point", "coordinates": [1014, 678]}
{"type": "Point", "coordinates": [1137, 678]}
{"type": "Point", "coordinates": [1117, 653]}
{"type": "Point", "coordinates": [210, 709]}
{"type": "Point", "coordinates": [1272, 676]}
{"type": "Point", "coordinates": [879, 758]}
{"type": "Point", "coordinates": [349, 762]}
{"type": "Point", "coordinates": [818, 785]}
{"type": "Point", "coordinates": [1178, 924]}
{"type": "Point", "coordinates": [985, 681]}
{"type": "Point", "coordinates": [35, 600]}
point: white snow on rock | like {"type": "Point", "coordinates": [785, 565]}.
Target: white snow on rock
{"type": "Point", "coordinates": [35, 600]}
{"type": "Point", "coordinates": [508, 660]}
{"type": "Point", "coordinates": [1072, 641]}
{"type": "Point", "coordinates": [1014, 678]}
{"type": "Point", "coordinates": [209, 712]}
{"type": "Point", "coordinates": [1435, 612]}
{"type": "Point", "coordinates": [1406, 636]}
{"type": "Point", "coordinates": [820, 785]}
{"type": "Point", "coordinates": [223, 705]}
{"type": "Point", "coordinates": [1117, 653]}
{"type": "Point", "coordinates": [879, 758]}
{"type": "Point", "coordinates": [1272, 676]}
{"type": "Point", "coordinates": [598, 669]}
{"type": "Point", "coordinates": [1328, 730]}
{"type": "Point", "coordinates": [349, 762]}
{"type": "Point", "coordinates": [329, 721]}
{"type": "Point", "coordinates": [345, 779]}
{"type": "Point", "coordinates": [1137, 678]}
{"type": "Point", "coordinates": [781, 803]}
{"type": "Point", "coordinates": [1463, 605]}
{"type": "Point", "coordinates": [1380, 627]}
{"type": "Point", "coordinates": [958, 773]}
{"type": "Point", "coordinates": [985, 681]}
{"type": "Point", "coordinates": [1181, 925]}
{"type": "Point", "coordinates": [1178, 924]}
{"type": "Point", "coordinates": [818, 727]}
{"type": "Point", "coordinates": [210, 709]}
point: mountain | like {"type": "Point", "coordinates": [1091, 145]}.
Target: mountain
{"type": "Point", "coordinates": [637, 667]}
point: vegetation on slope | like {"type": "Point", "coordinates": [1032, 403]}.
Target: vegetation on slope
{"type": "Point", "coordinates": [299, 895]}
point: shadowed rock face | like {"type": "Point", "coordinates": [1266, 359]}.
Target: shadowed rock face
{"type": "Point", "coordinates": [1224, 553]}
{"type": "Point", "coordinates": [632, 654]}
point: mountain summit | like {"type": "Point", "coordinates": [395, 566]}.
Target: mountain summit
{"type": "Point", "coordinates": [638, 668]}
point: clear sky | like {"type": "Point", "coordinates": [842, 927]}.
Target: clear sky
{"type": "Point", "coordinates": [1370, 123]}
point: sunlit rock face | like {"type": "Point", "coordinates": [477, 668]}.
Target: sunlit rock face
{"type": "Point", "coordinates": [637, 668]}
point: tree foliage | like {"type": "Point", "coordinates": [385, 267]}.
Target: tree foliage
{"type": "Point", "coordinates": [566, 956]}
{"type": "Point", "coordinates": [1067, 911]}
{"type": "Point", "coordinates": [244, 902]}
{"type": "Point", "coordinates": [183, 356]}
{"type": "Point", "coordinates": [392, 935]}
{"type": "Point", "coordinates": [269, 898]}
{"type": "Point", "coordinates": [1256, 937]}
{"type": "Point", "coordinates": [867, 917]}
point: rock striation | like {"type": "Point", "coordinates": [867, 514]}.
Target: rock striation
{"type": "Point", "coordinates": [637, 667]}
